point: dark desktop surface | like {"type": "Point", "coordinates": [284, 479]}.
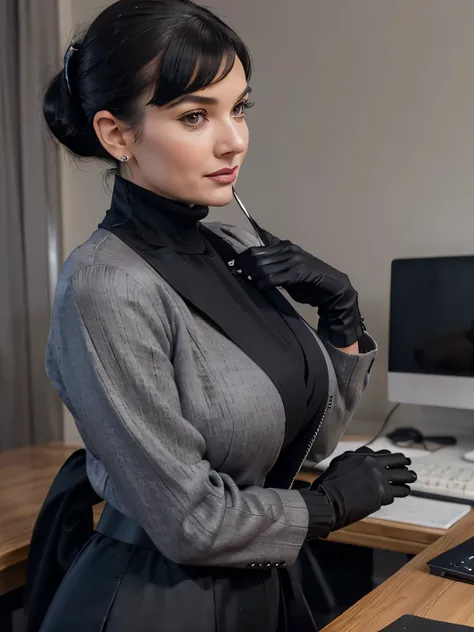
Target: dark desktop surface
{"type": "Point", "coordinates": [457, 563]}
{"type": "Point", "coordinates": [410, 623]}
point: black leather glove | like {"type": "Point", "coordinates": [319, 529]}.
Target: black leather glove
{"type": "Point", "coordinates": [307, 280]}
{"type": "Point", "coordinates": [359, 483]}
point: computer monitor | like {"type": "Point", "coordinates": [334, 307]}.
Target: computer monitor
{"type": "Point", "coordinates": [431, 347]}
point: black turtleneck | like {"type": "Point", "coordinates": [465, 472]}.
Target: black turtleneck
{"type": "Point", "coordinates": [157, 220]}
{"type": "Point", "coordinates": [193, 259]}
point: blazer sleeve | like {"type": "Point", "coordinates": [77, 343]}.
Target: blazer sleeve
{"type": "Point", "coordinates": [112, 357]}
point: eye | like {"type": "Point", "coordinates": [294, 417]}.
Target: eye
{"type": "Point", "coordinates": [239, 109]}
{"type": "Point", "coordinates": [195, 119]}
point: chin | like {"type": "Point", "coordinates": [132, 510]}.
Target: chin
{"type": "Point", "coordinates": [219, 197]}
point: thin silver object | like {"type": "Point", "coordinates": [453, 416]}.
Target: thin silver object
{"type": "Point", "coordinates": [249, 217]}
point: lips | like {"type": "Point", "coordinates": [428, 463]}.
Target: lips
{"type": "Point", "coordinates": [223, 172]}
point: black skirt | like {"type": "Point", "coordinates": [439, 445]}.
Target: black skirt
{"type": "Point", "coordinates": [120, 587]}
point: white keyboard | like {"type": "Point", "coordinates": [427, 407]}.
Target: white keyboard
{"type": "Point", "coordinates": [444, 479]}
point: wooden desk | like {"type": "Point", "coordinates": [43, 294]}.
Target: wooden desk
{"type": "Point", "coordinates": [413, 590]}
{"type": "Point", "coordinates": [25, 477]}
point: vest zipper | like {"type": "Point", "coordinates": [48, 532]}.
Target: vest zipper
{"type": "Point", "coordinates": [313, 438]}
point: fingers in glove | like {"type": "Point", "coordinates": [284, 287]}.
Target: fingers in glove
{"type": "Point", "coordinates": [384, 489]}
{"type": "Point", "coordinates": [390, 460]}
{"type": "Point", "coordinates": [401, 476]}
{"type": "Point", "coordinates": [342, 457]}
{"type": "Point", "coordinates": [249, 259]}
{"type": "Point", "coordinates": [245, 261]}
{"type": "Point", "coordinates": [278, 279]}
{"type": "Point", "coordinates": [400, 491]}
{"type": "Point", "coordinates": [280, 258]}
{"type": "Point", "coordinates": [270, 251]}
{"type": "Point", "coordinates": [261, 273]}
{"type": "Point", "coordinates": [365, 449]}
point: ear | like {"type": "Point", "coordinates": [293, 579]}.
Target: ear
{"type": "Point", "coordinates": [110, 135]}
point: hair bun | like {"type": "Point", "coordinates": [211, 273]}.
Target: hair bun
{"type": "Point", "coordinates": [67, 122]}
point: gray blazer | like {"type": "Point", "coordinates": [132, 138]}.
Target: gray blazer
{"type": "Point", "coordinates": [180, 426]}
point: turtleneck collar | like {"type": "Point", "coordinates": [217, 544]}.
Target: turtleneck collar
{"type": "Point", "coordinates": [154, 219]}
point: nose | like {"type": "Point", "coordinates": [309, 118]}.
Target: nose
{"type": "Point", "coordinates": [232, 138]}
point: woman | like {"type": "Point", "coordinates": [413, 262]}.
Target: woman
{"type": "Point", "coordinates": [197, 389]}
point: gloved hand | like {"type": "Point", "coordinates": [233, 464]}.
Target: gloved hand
{"type": "Point", "coordinates": [307, 280]}
{"type": "Point", "coordinates": [359, 483]}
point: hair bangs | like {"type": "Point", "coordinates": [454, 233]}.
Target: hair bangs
{"type": "Point", "coordinates": [197, 55]}
{"type": "Point", "coordinates": [135, 51]}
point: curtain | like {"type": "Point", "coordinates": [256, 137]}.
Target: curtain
{"type": "Point", "coordinates": [30, 411]}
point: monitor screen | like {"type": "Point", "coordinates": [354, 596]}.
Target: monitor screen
{"type": "Point", "coordinates": [432, 316]}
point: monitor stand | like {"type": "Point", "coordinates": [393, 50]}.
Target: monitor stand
{"type": "Point", "coordinates": [450, 420]}
{"type": "Point", "coordinates": [432, 420]}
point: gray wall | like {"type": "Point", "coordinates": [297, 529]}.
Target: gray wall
{"type": "Point", "coordinates": [362, 136]}
{"type": "Point", "coordinates": [361, 139]}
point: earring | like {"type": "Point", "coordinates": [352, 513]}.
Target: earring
{"type": "Point", "coordinates": [124, 158]}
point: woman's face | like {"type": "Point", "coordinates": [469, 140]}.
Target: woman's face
{"type": "Point", "coordinates": [183, 143]}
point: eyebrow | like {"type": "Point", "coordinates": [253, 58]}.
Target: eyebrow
{"type": "Point", "coordinates": [194, 98]}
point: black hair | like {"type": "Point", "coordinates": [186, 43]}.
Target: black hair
{"type": "Point", "coordinates": [170, 47]}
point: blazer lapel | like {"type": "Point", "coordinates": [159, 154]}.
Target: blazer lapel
{"type": "Point", "coordinates": [237, 317]}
